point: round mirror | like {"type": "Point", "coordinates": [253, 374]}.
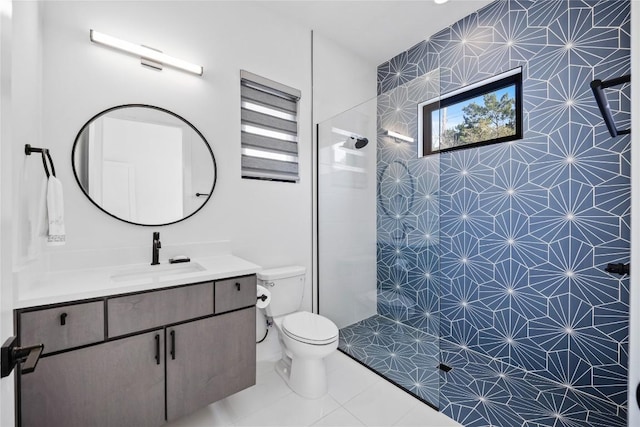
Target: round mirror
{"type": "Point", "coordinates": [144, 165]}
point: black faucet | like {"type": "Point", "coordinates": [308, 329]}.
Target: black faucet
{"type": "Point", "coordinates": [155, 254]}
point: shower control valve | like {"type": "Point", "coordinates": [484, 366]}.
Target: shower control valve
{"type": "Point", "coordinates": [619, 268]}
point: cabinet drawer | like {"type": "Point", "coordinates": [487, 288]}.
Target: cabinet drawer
{"type": "Point", "coordinates": [235, 293]}
{"type": "Point", "coordinates": [64, 327]}
{"type": "Point", "coordinates": [133, 313]}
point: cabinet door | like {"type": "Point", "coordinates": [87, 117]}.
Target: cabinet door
{"type": "Point", "coordinates": [209, 359]}
{"type": "Point", "coordinates": [118, 383]}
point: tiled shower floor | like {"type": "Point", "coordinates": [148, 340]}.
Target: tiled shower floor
{"type": "Point", "coordinates": [478, 391]}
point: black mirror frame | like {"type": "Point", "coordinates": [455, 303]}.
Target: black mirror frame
{"type": "Point", "coordinates": [118, 107]}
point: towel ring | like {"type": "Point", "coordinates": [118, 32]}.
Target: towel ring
{"type": "Point", "coordinates": [45, 156]}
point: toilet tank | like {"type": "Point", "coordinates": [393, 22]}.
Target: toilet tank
{"type": "Point", "coordinates": [286, 285]}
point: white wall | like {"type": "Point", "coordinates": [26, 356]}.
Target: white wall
{"type": "Point", "coordinates": [20, 124]}
{"type": "Point", "coordinates": [28, 173]}
{"type": "Point", "coordinates": [80, 79]}
{"type": "Point", "coordinates": [341, 79]}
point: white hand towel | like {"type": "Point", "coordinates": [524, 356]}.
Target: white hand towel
{"type": "Point", "coordinates": [38, 222]}
{"type": "Point", "coordinates": [55, 212]}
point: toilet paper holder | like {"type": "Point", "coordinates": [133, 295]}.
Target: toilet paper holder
{"type": "Point", "coordinates": [263, 297]}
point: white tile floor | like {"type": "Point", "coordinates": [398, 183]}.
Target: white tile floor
{"type": "Point", "coordinates": [357, 397]}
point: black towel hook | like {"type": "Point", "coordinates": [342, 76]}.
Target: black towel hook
{"type": "Point", "coordinates": [28, 149]}
{"type": "Point", "coordinates": [597, 87]}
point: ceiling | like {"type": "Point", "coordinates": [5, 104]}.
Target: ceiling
{"type": "Point", "coordinates": [376, 30]}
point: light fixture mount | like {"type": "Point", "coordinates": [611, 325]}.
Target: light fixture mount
{"type": "Point", "coordinates": [148, 62]}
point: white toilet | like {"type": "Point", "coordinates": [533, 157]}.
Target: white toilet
{"type": "Point", "coordinates": [306, 338]}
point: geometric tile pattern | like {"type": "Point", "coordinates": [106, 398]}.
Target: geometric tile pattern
{"type": "Point", "coordinates": [478, 391]}
{"type": "Point", "coordinates": [501, 249]}
{"type": "Point", "coordinates": [407, 356]}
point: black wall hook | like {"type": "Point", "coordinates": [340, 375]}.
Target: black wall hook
{"type": "Point", "coordinates": [619, 268]}
{"type": "Point", "coordinates": [597, 87]}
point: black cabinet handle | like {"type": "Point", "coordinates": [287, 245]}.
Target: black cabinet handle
{"type": "Point", "coordinates": [63, 319]}
{"type": "Point", "coordinates": [157, 338]}
{"type": "Point", "coordinates": [173, 345]}
{"type": "Point", "coordinates": [237, 286]}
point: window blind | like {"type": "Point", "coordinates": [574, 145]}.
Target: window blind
{"type": "Point", "coordinates": [269, 129]}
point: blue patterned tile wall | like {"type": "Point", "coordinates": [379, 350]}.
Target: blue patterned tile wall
{"type": "Point", "coordinates": [501, 249]}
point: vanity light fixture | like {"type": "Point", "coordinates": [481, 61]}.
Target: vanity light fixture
{"type": "Point", "coordinates": [396, 135]}
{"type": "Point", "coordinates": [440, 1]}
{"type": "Point", "coordinates": [148, 56]}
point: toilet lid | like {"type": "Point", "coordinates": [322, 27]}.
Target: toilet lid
{"type": "Point", "coordinates": [309, 327]}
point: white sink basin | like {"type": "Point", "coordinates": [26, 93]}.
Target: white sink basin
{"type": "Point", "coordinates": [155, 272]}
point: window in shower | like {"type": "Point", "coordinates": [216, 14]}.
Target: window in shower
{"type": "Point", "coordinates": [486, 112]}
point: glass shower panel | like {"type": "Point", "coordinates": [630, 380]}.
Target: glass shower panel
{"type": "Point", "coordinates": [378, 226]}
{"type": "Point", "coordinates": [347, 215]}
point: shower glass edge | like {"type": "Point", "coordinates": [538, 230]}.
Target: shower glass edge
{"type": "Point", "coordinates": [378, 237]}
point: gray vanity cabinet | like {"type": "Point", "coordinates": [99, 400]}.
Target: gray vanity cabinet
{"type": "Point", "coordinates": [138, 359]}
{"type": "Point", "coordinates": [117, 383]}
{"type": "Point", "coordinates": [209, 359]}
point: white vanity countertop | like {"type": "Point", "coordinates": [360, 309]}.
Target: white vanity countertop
{"type": "Point", "coordinates": [72, 285]}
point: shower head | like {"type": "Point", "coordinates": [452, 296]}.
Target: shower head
{"type": "Point", "coordinates": [355, 142]}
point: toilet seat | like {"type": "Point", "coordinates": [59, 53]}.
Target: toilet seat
{"type": "Point", "coordinates": [310, 328]}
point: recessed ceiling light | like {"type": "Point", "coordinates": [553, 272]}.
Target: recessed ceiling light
{"type": "Point", "coordinates": [440, 1]}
